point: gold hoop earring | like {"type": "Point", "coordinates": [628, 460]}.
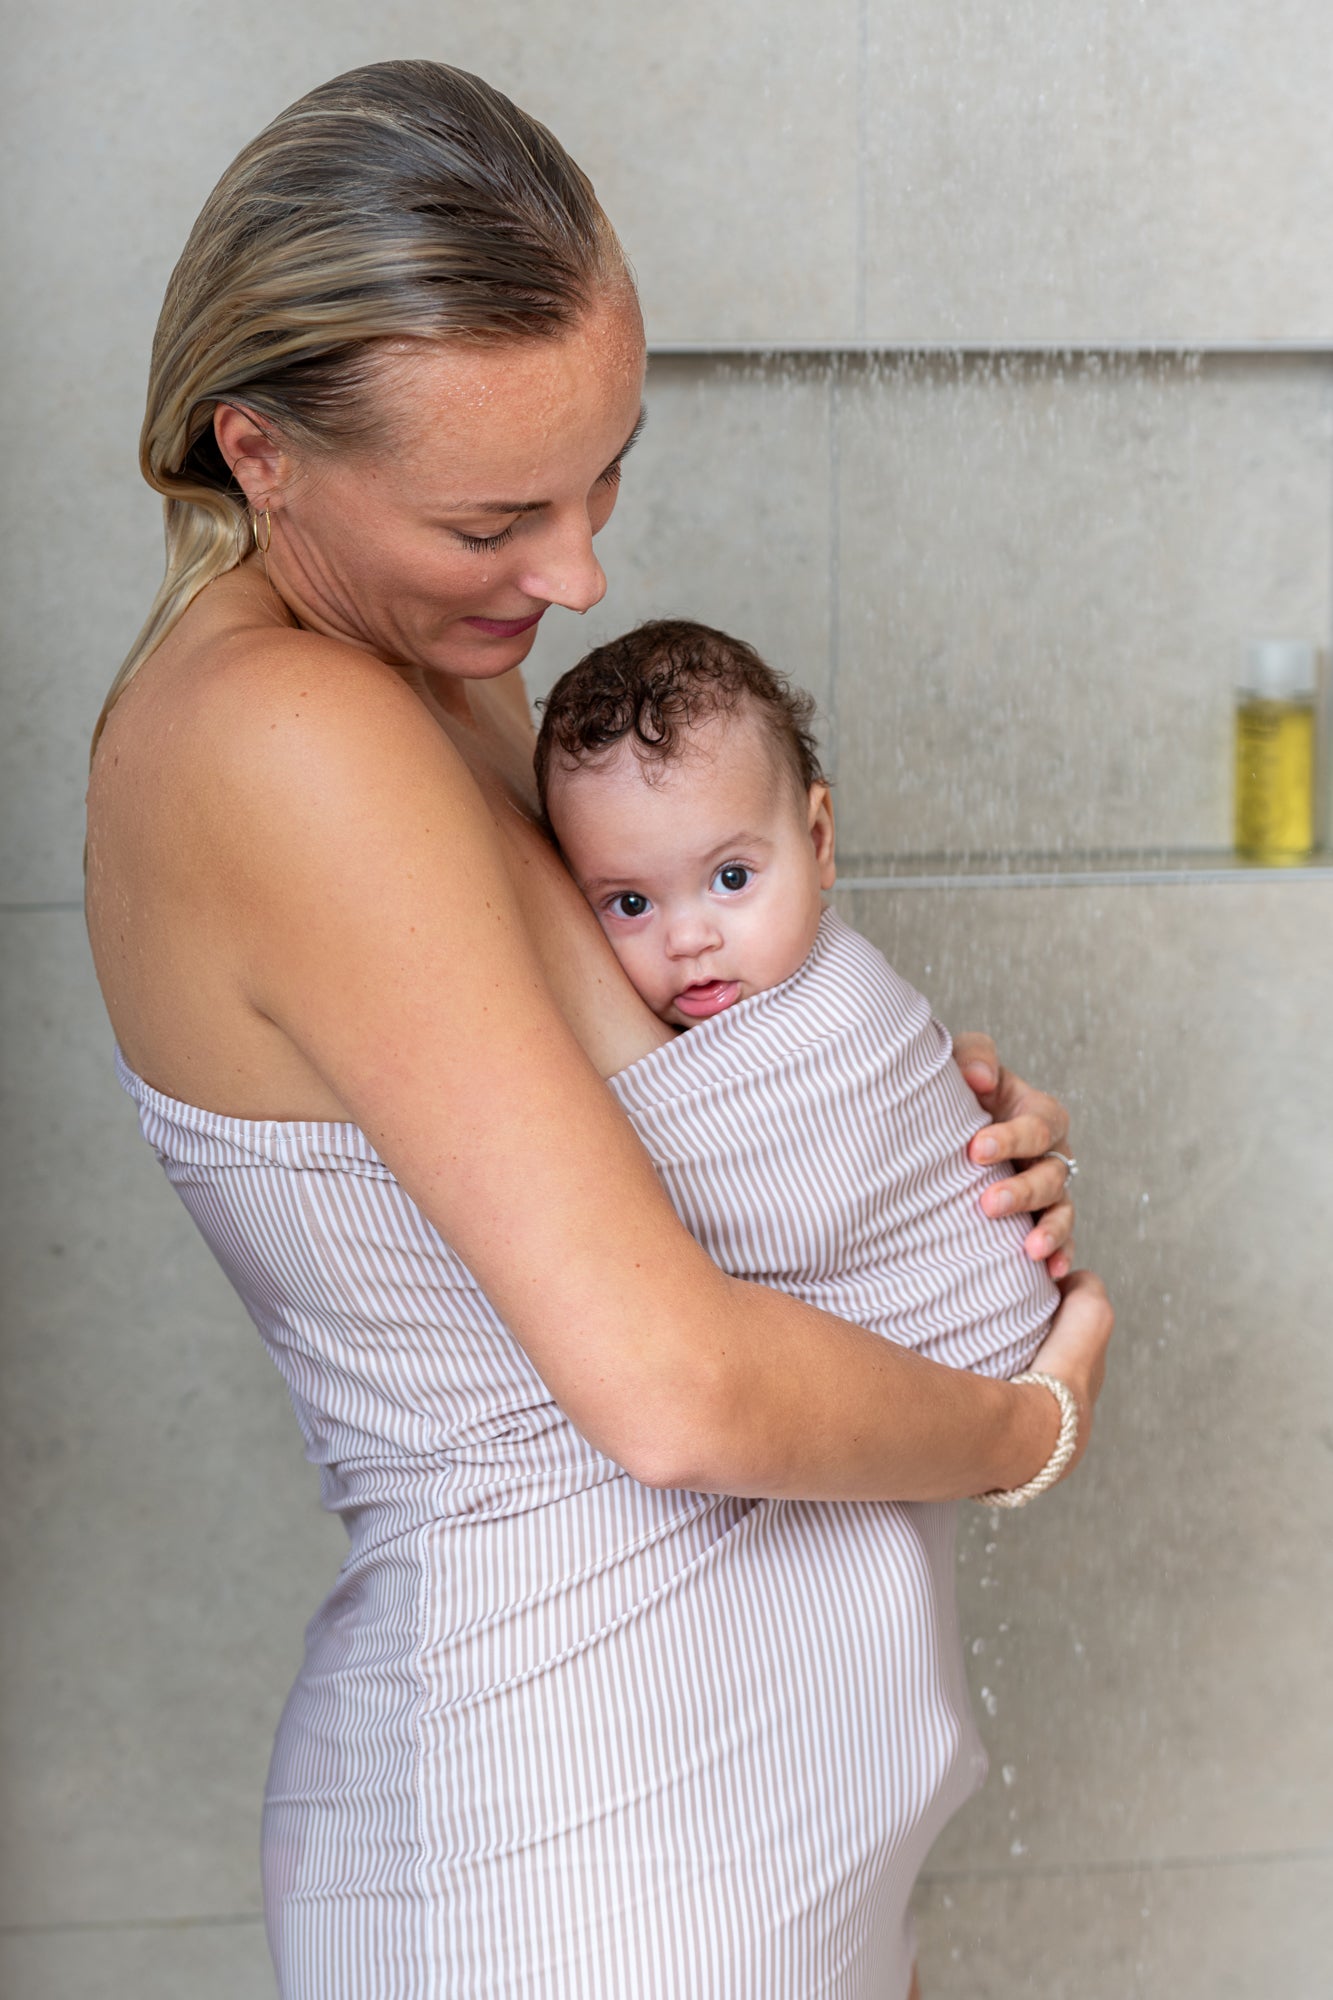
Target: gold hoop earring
{"type": "Point", "coordinates": [268, 531]}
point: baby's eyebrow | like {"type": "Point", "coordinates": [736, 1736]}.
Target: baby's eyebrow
{"type": "Point", "coordinates": [534, 506]}
{"type": "Point", "coordinates": [743, 838]}
{"type": "Point", "coordinates": [590, 882]}
{"type": "Point", "coordinates": [738, 842]}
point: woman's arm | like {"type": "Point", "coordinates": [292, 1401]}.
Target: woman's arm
{"type": "Point", "coordinates": [375, 920]}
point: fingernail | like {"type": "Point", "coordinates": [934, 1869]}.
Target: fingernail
{"type": "Point", "coordinates": [1000, 1202]}
{"type": "Point", "coordinates": [985, 1149]}
{"type": "Point", "coordinates": [1040, 1246]}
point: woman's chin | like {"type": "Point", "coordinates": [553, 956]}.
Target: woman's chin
{"type": "Point", "coordinates": [475, 656]}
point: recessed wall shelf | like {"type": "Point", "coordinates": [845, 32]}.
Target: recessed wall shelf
{"type": "Point", "coordinates": [1184, 869]}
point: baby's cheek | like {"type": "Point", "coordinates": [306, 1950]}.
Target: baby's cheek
{"type": "Point", "coordinates": [642, 966]}
{"type": "Point", "coordinates": [783, 942]}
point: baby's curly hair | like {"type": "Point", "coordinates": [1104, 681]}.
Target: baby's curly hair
{"type": "Point", "coordinates": [653, 684]}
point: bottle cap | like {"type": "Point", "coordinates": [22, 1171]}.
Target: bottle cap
{"type": "Point", "coordinates": [1281, 669]}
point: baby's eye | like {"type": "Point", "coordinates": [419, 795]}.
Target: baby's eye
{"type": "Point", "coordinates": [731, 878]}
{"type": "Point", "coordinates": [629, 903]}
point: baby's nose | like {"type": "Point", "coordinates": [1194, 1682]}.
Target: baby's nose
{"type": "Point", "coordinates": [691, 932]}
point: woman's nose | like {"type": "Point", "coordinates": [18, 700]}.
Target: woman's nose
{"type": "Point", "coordinates": [566, 570]}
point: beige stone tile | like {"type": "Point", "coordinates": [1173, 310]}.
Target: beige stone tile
{"type": "Point", "coordinates": [1151, 1642]}
{"type": "Point", "coordinates": [203, 1961]}
{"type": "Point", "coordinates": [724, 517]}
{"type": "Point", "coordinates": [723, 145]}
{"type": "Point", "coordinates": [1245, 1931]}
{"type": "Point", "coordinates": [1098, 174]}
{"type": "Point", "coordinates": [1048, 576]}
{"type": "Point", "coordinates": [163, 1541]}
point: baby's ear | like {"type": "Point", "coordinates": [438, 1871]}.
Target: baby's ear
{"type": "Point", "coordinates": [820, 822]}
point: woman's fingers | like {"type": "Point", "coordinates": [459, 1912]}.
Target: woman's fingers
{"type": "Point", "coordinates": [1024, 1137]}
{"type": "Point", "coordinates": [1030, 1126]}
{"type": "Point", "coordinates": [1075, 1347]}
{"type": "Point", "coordinates": [1038, 1189]}
{"type": "Point", "coordinates": [1026, 1121]}
{"type": "Point", "coordinates": [976, 1056]}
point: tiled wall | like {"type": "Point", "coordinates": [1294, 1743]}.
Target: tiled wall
{"type": "Point", "coordinates": [1018, 586]}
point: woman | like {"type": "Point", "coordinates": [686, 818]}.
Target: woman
{"type": "Point", "coordinates": [576, 1719]}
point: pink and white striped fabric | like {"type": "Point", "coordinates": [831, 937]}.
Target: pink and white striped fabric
{"type": "Point", "coordinates": [559, 1736]}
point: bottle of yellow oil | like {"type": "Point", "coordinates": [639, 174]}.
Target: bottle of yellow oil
{"type": "Point", "coordinates": [1275, 753]}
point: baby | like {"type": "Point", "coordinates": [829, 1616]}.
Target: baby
{"type": "Point", "coordinates": [681, 779]}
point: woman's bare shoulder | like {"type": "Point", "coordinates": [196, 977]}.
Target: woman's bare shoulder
{"type": "Point", "coordinates": [236, 751]}
{"type": "Point", "coordinates": [241, 711]}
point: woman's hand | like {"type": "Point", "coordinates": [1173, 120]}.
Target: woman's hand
{"type": "Point", "coordinates": [1027, 1125]}
{"type": "Point", "coordinates": [1075, 1348]}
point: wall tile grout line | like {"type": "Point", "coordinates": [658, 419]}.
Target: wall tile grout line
{"type": "Point", "coordinates": [1149, 1865]}
{"type": "Point", "coordinates": [1127, 878]}
{"type": "Point", "coordinates": [925, 350]}
{"type": "Point", "coordinates": [30, 909]}
{"type": "Point", "coordinates": [238, 1920]}
{"type": "Point", "coordinates": [1323, 816]}
{"type": "Point", "coordinates": [862, 276]}
{"type": "Point", "coordinates": [834, 569]}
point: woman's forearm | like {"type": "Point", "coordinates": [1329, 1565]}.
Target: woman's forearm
{"type": "Point", "coordinates": [801, 1405]}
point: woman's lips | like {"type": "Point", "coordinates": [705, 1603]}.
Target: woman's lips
{"type": "Point", "coordinates": [505, 628]}
{"type": "Point", "coordinates": [710, 996]}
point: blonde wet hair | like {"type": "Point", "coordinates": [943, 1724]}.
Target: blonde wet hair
{"type": "Point", "coordinates": [402, 201]}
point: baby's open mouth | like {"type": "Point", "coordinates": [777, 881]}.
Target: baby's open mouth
{"type": "Point", "coordinates": [710, 996]}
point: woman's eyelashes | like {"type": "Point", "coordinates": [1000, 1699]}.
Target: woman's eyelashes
{"type": "Point", "coordinates": [488, 544]}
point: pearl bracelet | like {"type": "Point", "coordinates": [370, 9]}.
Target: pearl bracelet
{"type": "Point", "coordinates": [1065, 1446]}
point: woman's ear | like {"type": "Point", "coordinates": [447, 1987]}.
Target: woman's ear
{"type": "Point", "coordinates": [257, 460]}
{"type": "Point", "coordinates": [821, 834]}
